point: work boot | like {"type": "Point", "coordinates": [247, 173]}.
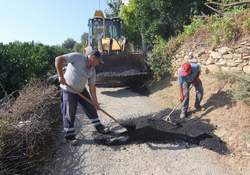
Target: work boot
{"type": "Point", "coordinates": [102, 129]}
{"type": "Point", "coordinates": [197, 107]}
{"type": "Point", "coordinates": [72, 142]}
{"type": "Point", "coordinates": [75, 142]}
{"type": "Point", "coordinates": [183, 115]}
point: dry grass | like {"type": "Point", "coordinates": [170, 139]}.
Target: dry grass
{"type": "Point", "coordinates": [28, 129]}
{"type": "Point", "coordinates": [241, 84]}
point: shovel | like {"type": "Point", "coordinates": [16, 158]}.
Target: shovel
{"type": "Point", "coordinates": [169, 115]}
{"type": "Point", "coordinates": [168, 119]}
{"type": "Point", "coordinates": [177, 105]}
{"type": "Point", "coordinates": [129, 128]}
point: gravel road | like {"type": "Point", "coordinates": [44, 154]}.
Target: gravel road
{"type": "Point", "coordinates": [175, 157]}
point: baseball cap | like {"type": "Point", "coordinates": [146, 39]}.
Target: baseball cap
{"type": "Point", "coordinates": [185, 69]}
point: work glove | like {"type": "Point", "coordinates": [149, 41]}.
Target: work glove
{"type": "Point", "coordinates": [181, 98]}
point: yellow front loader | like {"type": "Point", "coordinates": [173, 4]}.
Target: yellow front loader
{"type": "Point", "coordinates": [120, 65]}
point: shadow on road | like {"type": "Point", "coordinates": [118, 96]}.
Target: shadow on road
{"type": "Point", "coordinates": [217, 100]}
{"type": "Point", "coordinates": [119, 93]}
{"type": "Point", "coordinates": [156, 86]}
{"type": "Point", "coordinates": [126, 92]}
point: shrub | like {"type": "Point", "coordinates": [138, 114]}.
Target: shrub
{"type": "Point", "coordinates": [193, 27]}
{"type": "Point", "coordinates": [223, 30]}
{"type": "Point", "coordinates": [159, 60]}
{"type": "Point", "coordinates": [20, 62]}
{"type": "Point", "coordinates": [247, 24]}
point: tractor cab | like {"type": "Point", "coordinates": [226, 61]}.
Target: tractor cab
{"type": "Point", "coordinates": [105, 34]}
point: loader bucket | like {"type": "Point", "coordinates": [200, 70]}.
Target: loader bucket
{"type": "Point", "coordinates": [122, 68]}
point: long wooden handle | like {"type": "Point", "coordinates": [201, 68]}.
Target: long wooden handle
{"type": "Point", "coordinates": [90, 102]}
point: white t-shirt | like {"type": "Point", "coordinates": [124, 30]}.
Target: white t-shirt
{"type": "Point", "coordinates": [77, 73]}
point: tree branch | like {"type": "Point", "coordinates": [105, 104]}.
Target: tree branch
{"type": "Point", "coordinates": [237, 3]}
{"type": "Point", "coordinates": [214, 3]}
{"type": "Point", "coordinates": [217, 11]}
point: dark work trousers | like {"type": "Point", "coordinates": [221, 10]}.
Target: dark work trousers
{"type": "Point", "coordinates": [69, 102]}
{"type": "Point", "coordinates": [199, 95]}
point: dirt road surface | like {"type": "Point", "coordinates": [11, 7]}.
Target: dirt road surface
{"type": "Point", "coordinates": [174, 151]}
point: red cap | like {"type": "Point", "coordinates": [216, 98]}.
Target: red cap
{"type": "Point", "coordinates": [185, 69]}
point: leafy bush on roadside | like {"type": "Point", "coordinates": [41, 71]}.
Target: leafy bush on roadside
{"type": "Point", "coordinates": [193, 27]}
{"type": "Point", "coordinates": [214, 30]}
{"type": "Point", "coordinates": [159, 60]}
{"type": "Point", "coordinates": [173, 43]}
{"type": "Point", "coordinates": [224, 30]}
{"type": "Point", "coordinates": [19, 62]}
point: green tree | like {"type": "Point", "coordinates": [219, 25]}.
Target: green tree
{"type": "Point", "coordinates": [69, 44]}
{"type": "Point", "coordinates": [78, 47]}
{"type": "Point", "coordinates": [130, 28]}
{"type": "Point", "coordinates": [113, 8]}
{"type": "Point", "coordinates": [19, 62]}
{"type": "Point", "coordinates": [152, 18]}
{"type": "Point", "coordinates": [84, 38]}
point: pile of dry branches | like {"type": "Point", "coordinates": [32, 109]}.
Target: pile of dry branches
{"type": "Point", "coordinates": [28, 129]}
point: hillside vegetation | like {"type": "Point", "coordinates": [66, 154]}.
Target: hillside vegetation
{"type": "Point", "coordinates": [212, 30]}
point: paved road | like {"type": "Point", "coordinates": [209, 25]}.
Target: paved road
{"type": "Point", "coordinates": [177, 157]}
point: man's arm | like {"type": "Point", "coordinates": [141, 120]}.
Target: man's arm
{"type": "Point", "coordinates": [180, 82]}
{"type": "Point", "coordinates": [92, 89]}
{"type": "Point", "coordinates": [59, 62]}
{"type": "Point", "coordinates": [181, 96]}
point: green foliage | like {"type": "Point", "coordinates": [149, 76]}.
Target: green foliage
{"type": "Point", "coordinates": [84, 38]}
{"type": "Point", "coordinates": [113, 8]}
{"type": "Point", "coordinates": [193, 27]}
{"type": "Point", "coordinates": [69, 44]}
{"type": "Point", "coordinates": [159, 61]}
{"type": "Point", "coordinates": [216, 29]}
{"type": "Point", "coordinates": [154, 18]}
{"type": "Point", "coordinates": [19, 62]}
{"type": "Point", "coordinates": [233, 9]}
{"type": "Point", "coordinates": [173, 43]}
{"type": "Point", "coordinates": [247, 24]}
{"type": "Point", "coordinates": [130, 28]}
{"type": "Point", "coordinates": [78, 47]}
{"type": "Point", "coordinates": [223, 30]}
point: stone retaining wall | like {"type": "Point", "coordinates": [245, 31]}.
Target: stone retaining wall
{"type": "Point", "coordinates": [234, 58]}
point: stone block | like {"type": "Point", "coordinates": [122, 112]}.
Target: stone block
{"type": "Point", "coordinates": [231, 63]}
{"type": "Point", "coordinates": [215, 55]}
{"type": "Point", "coordinates": [225, 69]}
{"type": "Point", "coordinates": [213, 68]}
{"type": "Point", "coordinates": [221, 62]}
{"type": "Point", "coordinates": [236, 69]}
{"type": "Point", "coordinates": [224, 50]}
{"type": "Point", "coordinates": [246, 69]}
{"type": "Point", "coordinates": [228, 56]}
